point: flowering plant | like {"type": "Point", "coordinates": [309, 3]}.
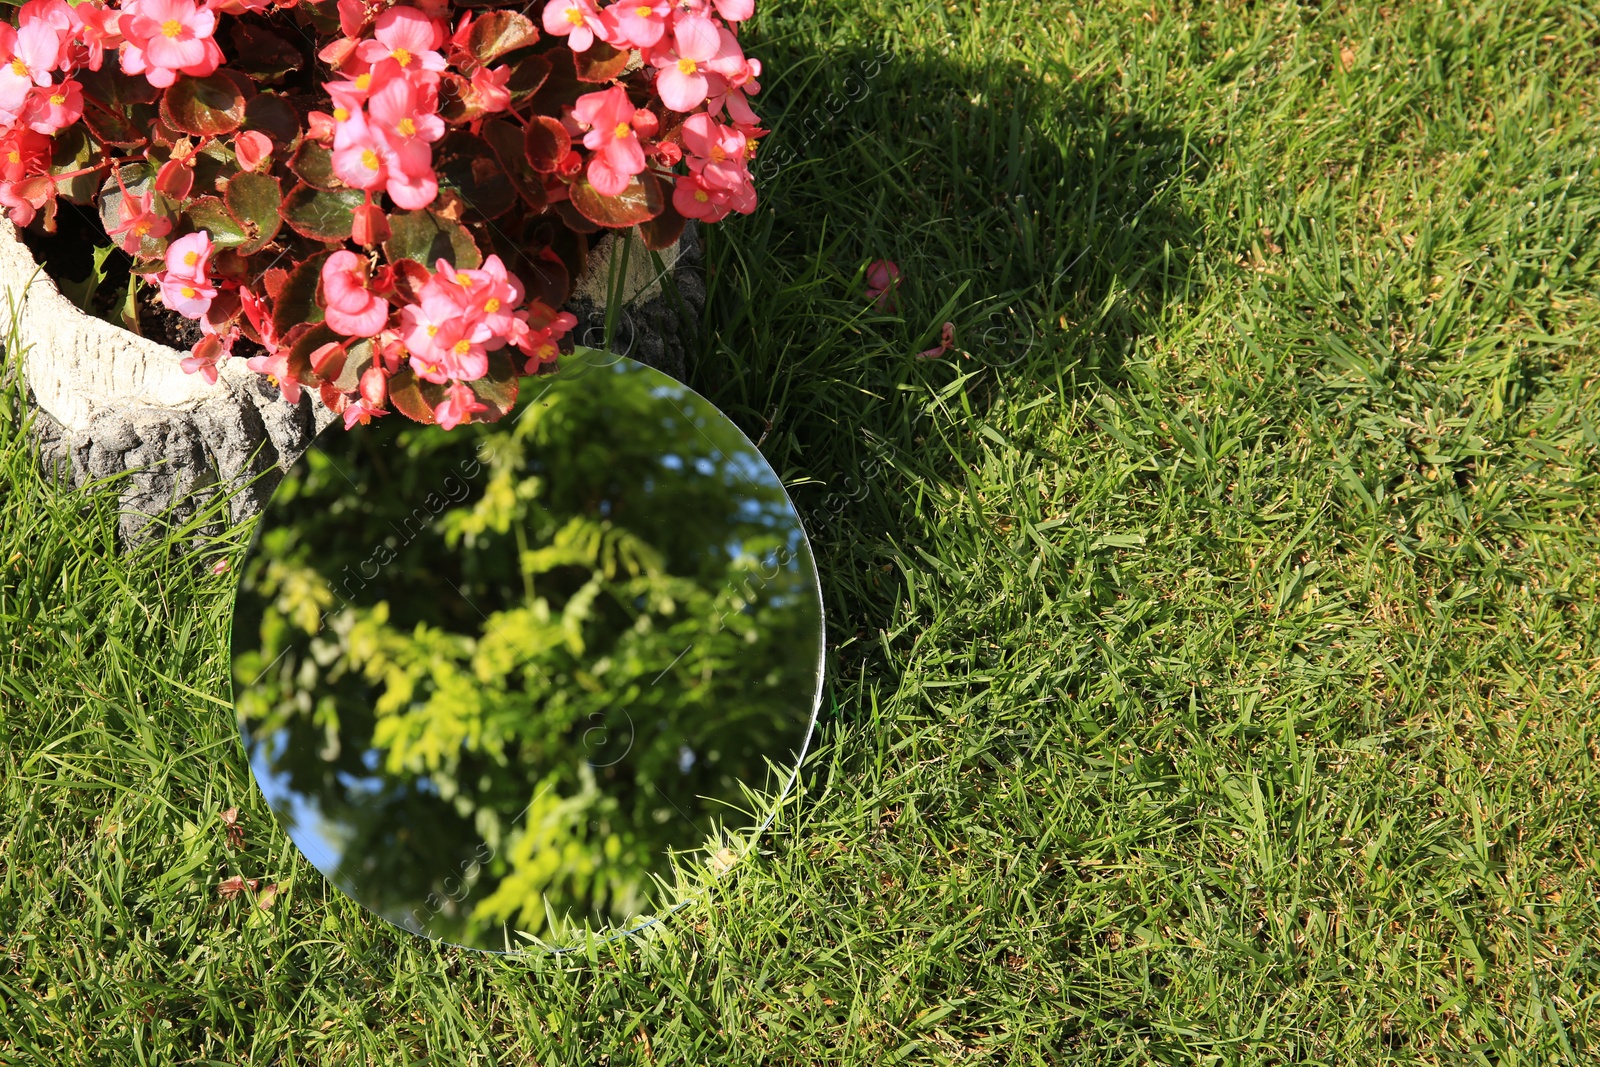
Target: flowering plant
{"type": "Point", "coordinates": [384, 201]}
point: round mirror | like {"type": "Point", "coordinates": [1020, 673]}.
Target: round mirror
{"type": "Point", "coordinates": [517, 684]}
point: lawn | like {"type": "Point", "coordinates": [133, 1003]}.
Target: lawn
{"type": "Point", "coordinates": [1214, 641]}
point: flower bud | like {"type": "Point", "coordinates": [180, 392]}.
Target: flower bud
{"type": "Point", "coordinates": [175, 179]}
{"type": "Point", "coordinates": [371, 226]}
{"type": "Point", "coordinates": [252, 147]}
{"type": "Point", "coordinates": [374, 386]}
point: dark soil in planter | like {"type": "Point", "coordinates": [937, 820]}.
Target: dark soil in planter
{"type": "Point", "coordinates": [68, 256]}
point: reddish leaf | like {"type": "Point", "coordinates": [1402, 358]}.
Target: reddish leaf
{"type": "Point", "coordinates": [529, 71]}
{"type": "Point", "coordinates": [546, 143]}
{"type": "Point", "coordinates": [599, 62]}
{"type": "Point", "coordinates": [574, 218]}
{"type": "Point", "coordinates": [467, 165]}
{"type": "Point", "coordinates": [413, 397]}
{"type": "Point", "coordinates": [664, 230]}
{"type": "Point", "coordinates": [459, 100]}
{"type": "Point", "coordinates": [508, 143]}
{"type": "Point", "coordinates": [263, 54]}
{"type": "Point", "coordinates": [548, 279]}
{"type": "Point", "coordinates": [494, 34]}
{"type": "Point", "coordinates": [204, 106]}
{"type": "Point", "coordinates": [115, 91]}
{"type": "Point", "coordinates": [641, 201]}
{"type": "Point", "coordinates": [119, 129]}
{"type": "Point", "coordinates": [274, 116]}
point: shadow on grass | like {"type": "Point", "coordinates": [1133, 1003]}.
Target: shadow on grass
{"type": "Point", "coordinates": [1027, 207]}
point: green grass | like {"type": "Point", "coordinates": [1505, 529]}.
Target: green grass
{"type": "Point", "coordinates": [1214, 652]}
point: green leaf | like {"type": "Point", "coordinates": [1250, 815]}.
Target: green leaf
{"type": "Point", "coordinates": [321, 214]}
{"type": "Point", "coordinates": [75, 150]}
{"type": "Point", "coordinates": [297, 299]}
{"type": "Point", "coordinates": [256, 201]}
{"type": "Point", "coordinates": [424, 237]}
{"type": "Point", "coordinates": [641, 201]}
{"type": "Point", "coordinates": [314, 164]}
{"type": "Point", "coordinates": [359, 356]}
{"type": "Point", "coordinates": [212, 215]}
{"type": "Point", "coordinates": [599, 62]}
{"type": "Point", "coordinates": [498, 32]}
{"type": "Point", "coordinates": [467, 165]}
{"type": "Point", "coordinates": [205, 106]}
{"type": "Point", "coordinates": [497, 388]}
{"type": "Point", "coordinates": [413, 397]}
{"type": "Point", "coordinates": [82, 293]}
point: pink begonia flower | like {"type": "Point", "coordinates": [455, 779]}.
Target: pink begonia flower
{"type": "Point", "coordinates": [694, 199]}
{"type": "Point", "coordinates": [735, 80]}
{"type": "Point", "coordinates": [639, 23]}
{"type": "Point", "coordinates": [883, 278]}
{"type": "Point", "coordinates": [719, 152]}
{"type": "Point", "coordinates": [260, 316]}
{"type": "Point", "coordinates": [97, 30]}
{"type": "Point", "coordinates": [681, 81]}
{"type": "Point", "coordinates": [52, 109]}
{"type": "Point", "coordinates": [576, 20]}
{"type": "Point", "coordinates": [421, 324]}
{"type": "Point", "coordinates": [490, 85]}
{"type": "Point", "coordinates": [189, 297]}
{"type": "Point", "coordinates": [947, 341]}
{"type": "Point", "coordinates": [23, 199]}
{"type": "Point", "coordinates": [139, 221]}
{"type": "Point", "coordinates": [189, 257]}
{"type": "Point", "coordinates": [276, 367]}
{"type": "Point", "coordinates": [169, 37]}
{"type": "Point", "coordinates": [206, 354]}
{"type": "Point", "coordinates": [405, 113]}
{"type": "Point", "coordinates": [412, 184]}
{"type": "Point", "coordinates": [408, 37]}
{"type": "Point", "coordinates": [541, 345]}
{"type": "Point", "coordinates": [735, 10]}
{"type": "Point", "coordinates": [361, 412]}
{"type": "Point", "coordinates": [359, 154]}
{"type": "Point", "coordinates": [353, 310]}
{"type": "Point", "coordinates": [609, 116]}
{"type": "Point", "coordinates": [23, 152]}
{"type": "Point", "coordinates": [457, 407]}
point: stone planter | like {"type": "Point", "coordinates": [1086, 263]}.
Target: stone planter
{"type": "Point", "coordinates": [107, 401]}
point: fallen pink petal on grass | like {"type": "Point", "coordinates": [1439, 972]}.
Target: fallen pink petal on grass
{"type": "Point", "coordinates": [883, 278]}
{"type": "Point", "coordinates": [232, 887]}
{"type": "Point", "coordinates": [947, 341]}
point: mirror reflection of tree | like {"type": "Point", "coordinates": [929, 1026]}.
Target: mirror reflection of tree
{"type": "Point", "coordinates": [557, 644]}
